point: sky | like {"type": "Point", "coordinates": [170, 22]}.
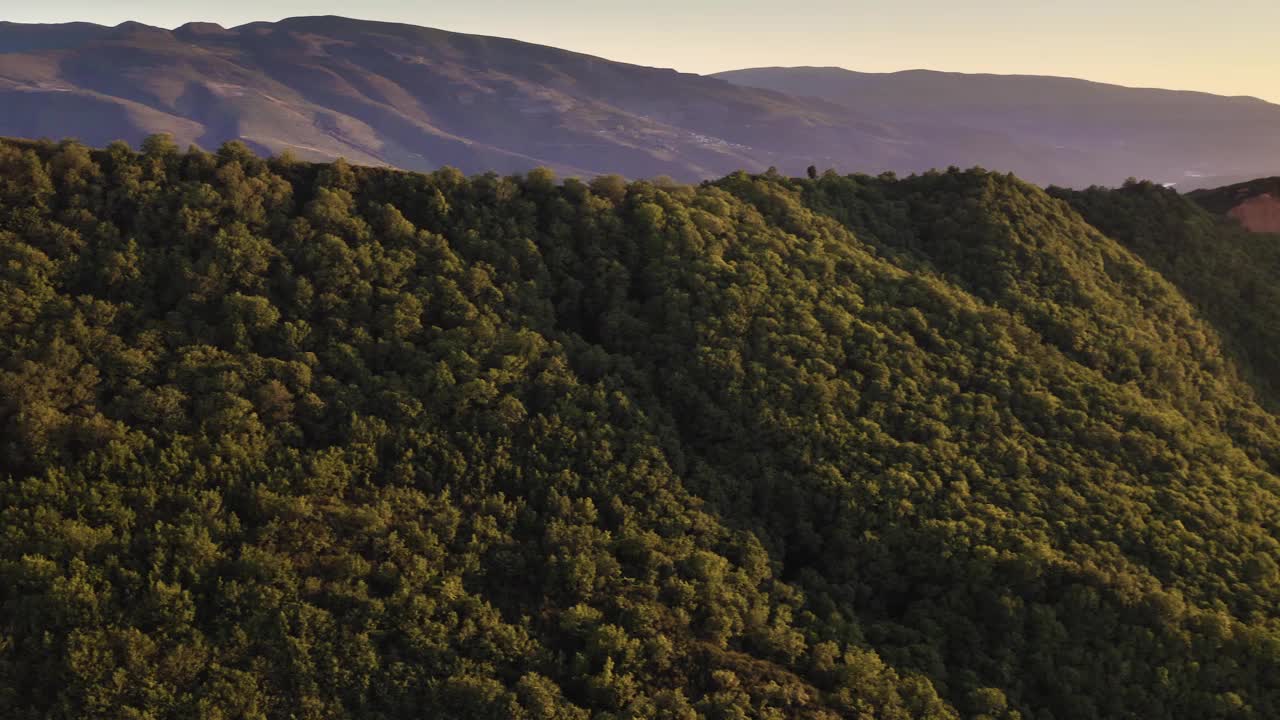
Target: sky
{"type": "Point", "coordinates": [1228, 49]}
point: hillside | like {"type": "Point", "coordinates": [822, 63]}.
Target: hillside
{"type": "Point", "coordinates": [381, 93]}
{"type": "Point", "coordinates": [1228, 272]}
{"type": "Point", "coordinates": [1254, 204]}
{"type": "Point", "coordinates": [1189, 139]}
{"type": "Point", "coordinates": [320, 441]}
{"type": "Point", "coordinates": [417, 98]}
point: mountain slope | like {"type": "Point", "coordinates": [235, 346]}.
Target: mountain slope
{"type": "Point", "coordinates": [417, 98]}
{"type": "Point", "coordinates": [1228, 272]}
{"type": "Point", "coordinates": [1254, 204]}
{"type": "Point", "coordinates": [285, 440]}
{"type": "Point", "coordinates": [412, 97]}
{"type": "Point", "coordinates": [1187, 138]}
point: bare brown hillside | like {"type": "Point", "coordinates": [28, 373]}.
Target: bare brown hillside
{"type": "Point", "coordinates": [1260, 213]}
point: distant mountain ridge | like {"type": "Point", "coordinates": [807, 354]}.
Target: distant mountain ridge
{"type": "Point", "coordinates": [417, 98]}
{"type": "Point", "coordinates": [380, 93]}
{"type": "Point", "coordinates": [1183, 138]}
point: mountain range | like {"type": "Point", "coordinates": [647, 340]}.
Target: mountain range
{"type": "Point", "coordinates": [1186, 139]}
{"type": "Point", "coordinates": [418, 98]}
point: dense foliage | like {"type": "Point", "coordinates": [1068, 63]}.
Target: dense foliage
{"type": "Point", "coordinates": [1227, 272]}
{"type": "Point", "coordinates": [294, 441]}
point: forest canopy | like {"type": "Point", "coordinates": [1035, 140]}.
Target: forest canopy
{"type": "Point", "coordinates": [283, 440]}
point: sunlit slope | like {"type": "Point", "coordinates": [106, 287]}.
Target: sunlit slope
{"type": "Point", "coordinates": [293, 440]}
{"type": "Point", "coordinates": [1228, 273]}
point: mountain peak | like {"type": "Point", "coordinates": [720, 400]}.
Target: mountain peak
{"type": "Point", "coordinates": [202, 28]}
{"type": "Point", "coordinates": [132, 26]}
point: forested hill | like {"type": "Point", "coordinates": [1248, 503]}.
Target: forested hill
{"type": "Point", "coordinates": [1226, 271]}
{"type": "Point", "coordinates": [280, 440]}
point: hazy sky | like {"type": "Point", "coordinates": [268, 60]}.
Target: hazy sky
{"type": "Point", "coordinates": [1228, 48]}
